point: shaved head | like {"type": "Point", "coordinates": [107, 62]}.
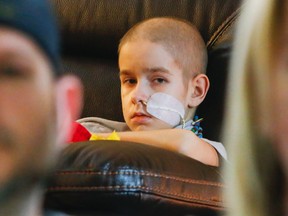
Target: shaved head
{"type": "Point", "coordinates": [179, 37]}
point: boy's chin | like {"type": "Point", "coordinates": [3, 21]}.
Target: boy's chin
{"type": "Point", "coordinates": [157, 125]}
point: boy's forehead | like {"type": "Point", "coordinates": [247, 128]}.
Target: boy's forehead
{"type": "Point", "coordinates": [140, 42]}
{"type": "Point", "coordinates": [144, 50]}
{"type": "Point", "coordinates": [149, 56]}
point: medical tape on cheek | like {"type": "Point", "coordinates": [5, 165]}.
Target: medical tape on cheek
{"type": "Point", "coordinates": [166, 108]}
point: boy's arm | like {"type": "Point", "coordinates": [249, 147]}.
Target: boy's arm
{"type": "Point", "coordinates": [178, 140]}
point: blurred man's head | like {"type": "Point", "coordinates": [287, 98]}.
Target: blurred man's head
{"type": "Point", "coordinates": [36, 104]}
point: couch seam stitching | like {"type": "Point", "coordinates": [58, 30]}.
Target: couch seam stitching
{"type": "Point", "coordinates": [140, 174]}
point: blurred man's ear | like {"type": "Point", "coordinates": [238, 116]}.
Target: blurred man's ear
{"type": "Point", "coordinates": [69, 102]}
{"type": "Point", "coordinates": [198, 88]}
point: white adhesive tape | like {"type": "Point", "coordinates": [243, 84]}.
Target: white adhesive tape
{"type": "Point", "coordinates": [166, 108]}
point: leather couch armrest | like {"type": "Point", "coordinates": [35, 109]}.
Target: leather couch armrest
{"type": "Point", "coordinates": [125, 178]}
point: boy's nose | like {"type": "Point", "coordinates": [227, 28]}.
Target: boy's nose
{"type": "Point", "coordinates": [140, 94]}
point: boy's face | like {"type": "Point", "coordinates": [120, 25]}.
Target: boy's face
{"type": "Point", "coordinates": [27, 111]}
{"type": "Point", "coordinates": [147, 68]}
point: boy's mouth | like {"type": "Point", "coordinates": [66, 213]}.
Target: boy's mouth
{"type": "Point", "coordinates": [140, 117]}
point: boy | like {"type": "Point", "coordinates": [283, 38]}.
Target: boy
{"type": "Point", "coordinates": [162, 63]}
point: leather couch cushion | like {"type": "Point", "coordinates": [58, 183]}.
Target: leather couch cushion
{"type": "Point", "coordinates": [101, 177]}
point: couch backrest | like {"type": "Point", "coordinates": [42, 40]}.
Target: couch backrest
{"type": "Point", "coordinates": [91, 30]}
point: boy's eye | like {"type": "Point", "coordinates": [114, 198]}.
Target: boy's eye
{"type": "Point", "coordinates": [159, 80]}
{"type": "Point", "coordinates": [130, 81]}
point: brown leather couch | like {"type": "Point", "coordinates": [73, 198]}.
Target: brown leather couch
{"type": "Point", "coordinates": [123, 178]}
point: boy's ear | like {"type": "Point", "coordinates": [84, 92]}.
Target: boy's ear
{"type": "Point", "coordinates": [69, 102]}
{"type": "Point", "coordinates": [198, 88]}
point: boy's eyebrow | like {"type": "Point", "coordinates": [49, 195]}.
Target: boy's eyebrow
{"type": "Point", "coordinates": [124, 72]}
{"type": "Point", "coordinates": [147, 70]}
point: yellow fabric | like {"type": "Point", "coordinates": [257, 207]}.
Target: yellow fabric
{"type": "Point", "coordinates": [112, 136]}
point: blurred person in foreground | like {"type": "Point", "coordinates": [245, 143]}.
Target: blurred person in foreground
{"type": "Point", "coordinates": [257, 112]}
{"type": "Point", "coordinates": [36, 102]}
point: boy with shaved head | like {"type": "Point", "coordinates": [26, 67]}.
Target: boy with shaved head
{"type": "Point", "coordinates": [162, 65]}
